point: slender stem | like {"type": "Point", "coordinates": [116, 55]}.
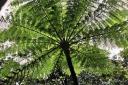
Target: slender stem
{"type": "Point", "coordinates": [66, 48]}
{"type": "Point", "coordinates": [71, 67]}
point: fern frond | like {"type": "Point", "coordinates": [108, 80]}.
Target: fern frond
{"type": "Point", "coordinates": [25, 70]}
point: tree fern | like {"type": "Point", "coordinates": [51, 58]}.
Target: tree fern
{"type": "Point", "coordinates": [62, 29]}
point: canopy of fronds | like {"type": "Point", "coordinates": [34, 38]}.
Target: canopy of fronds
{"type": "Point", "coordinates": [39, 26]}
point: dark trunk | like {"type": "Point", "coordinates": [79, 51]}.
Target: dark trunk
{"type": "Point", "coordinates": [66, 48]}
{"type": "Point", "coordinates": [70, 65]}
{"type": "Point", "coordinates": [2, 2]}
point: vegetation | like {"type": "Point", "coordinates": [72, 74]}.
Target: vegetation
{"type": "Point", "coordinates": [64, 35]}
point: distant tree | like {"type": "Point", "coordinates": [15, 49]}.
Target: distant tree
{"type": "Point", "coordinates": [63, 33]}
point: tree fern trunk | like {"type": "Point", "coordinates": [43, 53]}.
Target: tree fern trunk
{"type": "Point", "coordinates": [66, 48]}
{"type": "Point", "coordinates": [70, 65]}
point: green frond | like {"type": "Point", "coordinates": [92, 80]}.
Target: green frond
{"type": "Point", "coordinates": [92, 59]}
{"type": "Point", "coordinates": [90, 56]}
{"type": "Point", "coordinates": [34, 68]}
{"type": "Point", "coordinates": [95, 18]}
{"type": "Point", "coordinates": [45, 16]}
{"type": "Point", "coordinates": [114, 33]}
{"type": "Point", "coordinates": [43, 70]}
{"type": "Point", "coordinates": [7, 67]}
